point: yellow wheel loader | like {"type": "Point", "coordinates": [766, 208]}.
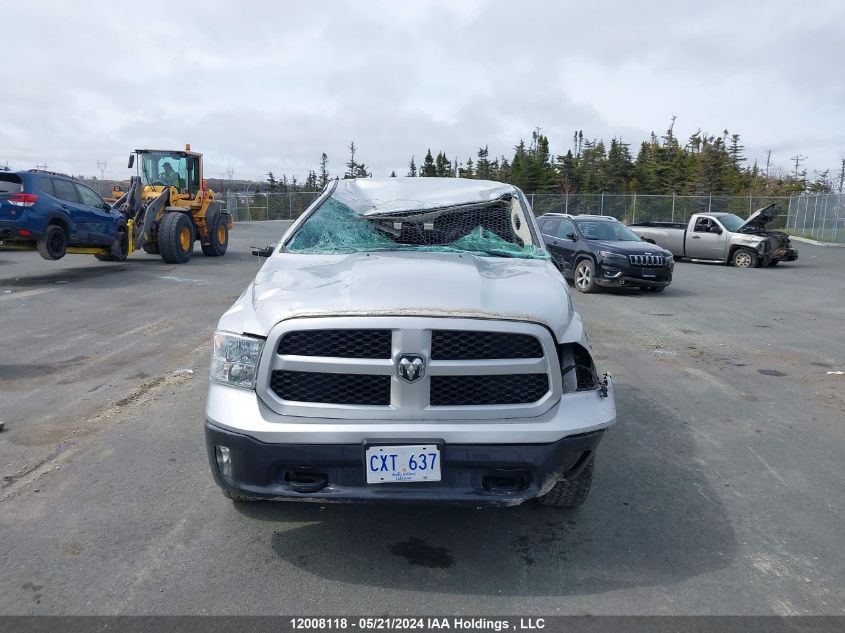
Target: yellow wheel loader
{"type": "Point", "coordinates": [171, 206]}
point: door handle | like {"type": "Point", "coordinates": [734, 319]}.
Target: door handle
{"type": "Point", "coordinates": [696, 237]}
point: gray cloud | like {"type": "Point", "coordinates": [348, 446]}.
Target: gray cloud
{"type": "Point", "coordinates": [264, 86]}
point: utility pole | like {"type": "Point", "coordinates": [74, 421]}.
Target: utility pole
{"type": "Point", "coordinates": [101, 165]}
{"type": "Point", "coordinates": [842, 175]}
{"type": "Point", "coordinates": [768, 162]}
{"type": "Point", "coordinates": [798, 160]}
{"type": "Point", "coordinates": [44, 166]}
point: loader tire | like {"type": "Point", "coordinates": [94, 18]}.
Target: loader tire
{"type": "Point", "coordinates": [218, 238]}
{"type": "Point", "coordinates": [176, 237]}
{"type": "Point", "coordinates": [53, 245]}
{"type": "Point", "coordinates": [119, 250]}
{"type": "Point", "coordinates": [151, 248]}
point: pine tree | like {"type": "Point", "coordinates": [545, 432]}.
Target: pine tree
{"type": "Point", "coordinates": [482, 166]}
{"type": "Point", "coordinates": [351, 165]}
{"type": "Point", "coordinates": [324, 171]}
{"type": "Point", "coordinates": [272, 185]}
{"type": "Point", "coordinates": [393, 174]}
{"type": "Point", "coordinates": [428, 169]}
{"type": "Point", "coordinates": [412, 169]}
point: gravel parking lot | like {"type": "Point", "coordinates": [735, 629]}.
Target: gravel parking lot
{"type": "Point", "coordinates": [718, 492]}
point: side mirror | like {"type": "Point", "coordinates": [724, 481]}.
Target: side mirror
{"type": "Point", "coordinates": [716, 230]}
{"type": "Point", "coordinates": [131, 161]}
{"type": "Point", "coordinates": [572, 236]}
{"type": "Point", "coordinates": [263, 251]}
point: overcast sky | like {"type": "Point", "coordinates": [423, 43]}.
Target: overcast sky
{"type": "Point", "coordinates": [260, 86]}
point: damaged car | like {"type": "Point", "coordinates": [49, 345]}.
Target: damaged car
{"type": "Point", "coordinates": [409, 339]}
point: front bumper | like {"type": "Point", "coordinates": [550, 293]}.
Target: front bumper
{"type": "Point", "coordinates": [479, 474]}
{"type": "Point", "coordinates": [619, 276]}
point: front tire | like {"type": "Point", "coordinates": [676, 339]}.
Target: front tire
{"type": "Point", "coordinates": [53, 245]}
{"type": "Point", "coordinates": [585, 273]}
{"type": "Point", "coordinates": [176, 238]}
{"type": "Point", "coordinates": [570, 493]}
{"type": "Point", "coordinates": [745, 258]}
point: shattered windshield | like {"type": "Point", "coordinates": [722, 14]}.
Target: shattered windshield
{"type": "Point", "coordinates": [492, 229]}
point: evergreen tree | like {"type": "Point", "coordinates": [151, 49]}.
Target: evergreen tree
{"type": "Point", "coordinates": [272, 185]}
{"type": "Point", "coordinates": [351, 165]}
{"type": "Point", "coordinates": [482, 166]}
{"type": "Point", "coordinates": [428, 168]}
{"type": "Point", "coordinates": [324, 171]}
{"type": "Point", "coordinates": [412, 169]}
{"type": "Point", "coordinates": [393, 174]}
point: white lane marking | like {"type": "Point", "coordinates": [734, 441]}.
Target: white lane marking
{"type": "Point", "coordinates": [26, 293]}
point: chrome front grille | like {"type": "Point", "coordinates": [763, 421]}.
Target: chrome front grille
{"type": "Point", "coordinates": [349, 368]}
{"type": "Point", "coordinates": [653, 261]}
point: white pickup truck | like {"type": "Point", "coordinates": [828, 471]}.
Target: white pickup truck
{"type": "Point", "coordinates": [722, 237]}
{"type": "Point", "coordinates": [408, 340]}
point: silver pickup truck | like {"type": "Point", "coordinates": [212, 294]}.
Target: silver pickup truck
{"type": "Point", "coordinates": [408, 340]}
{"type": "Point", "coordinates": [722, 237]}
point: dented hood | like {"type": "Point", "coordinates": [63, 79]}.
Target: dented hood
{"type": "Point", "coordinates": [402, 284]}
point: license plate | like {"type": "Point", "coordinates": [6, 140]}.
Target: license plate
{"type": "Point", "coordinates": [402, 464]}
{"type": "Point", "coordinates": [649, 272]}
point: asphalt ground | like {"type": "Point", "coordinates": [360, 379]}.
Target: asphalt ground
{"type": "Point", "coordinates": [719, 491]}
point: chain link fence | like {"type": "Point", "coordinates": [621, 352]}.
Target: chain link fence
{"type": "Point", "coordinates": [820, 217]}
{"type": "Point", "coordinates": [246, 206]}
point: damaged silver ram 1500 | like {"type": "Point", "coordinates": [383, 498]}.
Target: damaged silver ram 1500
{"type": "Point", "coordinates": [409, 339]}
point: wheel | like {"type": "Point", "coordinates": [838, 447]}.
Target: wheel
{"type": "Point", "coordinates": [218, 238]}
{"type": "Point", "coordinates": [585, 276]}
{"type": "Point", "coordinates": [119, 249]}
{"type": "Point", "coordinates": [745, 258]}
{"type": "Point", "coordinates": [234, 496]}
{"type": "Point", "coordinates": [571, 492]}
{"type": "Point", "coordinates": [176, 237]}
{"type": "Point", "coordinates": [151, 248]}
{"type": "Point", "coordinates": [53, 245]}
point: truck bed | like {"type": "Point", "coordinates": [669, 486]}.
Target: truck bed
{"type": "Point", "coordinates": [661, 225]}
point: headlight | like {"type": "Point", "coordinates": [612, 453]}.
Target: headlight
{"type": "Point", "coordinates": [670, 258]}
{"type": "Point", "coordinates": [234, 359]}
{"type": "Point", "coordinates": [613, 256]}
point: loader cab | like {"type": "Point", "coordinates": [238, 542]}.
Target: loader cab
{"type": "Point", "coordinates": [161, 168]}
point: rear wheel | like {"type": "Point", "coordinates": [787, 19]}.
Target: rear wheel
{"type": "Point", "coordinates": [745, 258]}
{"type": "Point", "coordinates": [53, 245]}
{"type": "Point", "coordinates": [585, 276]}
{"type": "Point", "coordinates": [570, 492]}
{"type": "Point", "coordinates": [176, 237]}
{"type": "Point", "coordinates": [151, 248]}
{"type": "Point", "coordinates": [218, 238]}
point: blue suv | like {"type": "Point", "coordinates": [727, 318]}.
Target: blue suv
{"type": "Point", "coordinates": [57, 214]}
